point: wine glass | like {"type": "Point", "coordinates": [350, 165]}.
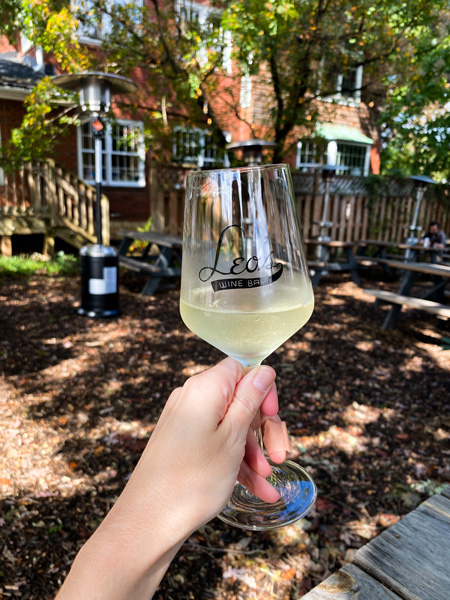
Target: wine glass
{"type": "Point", "coordinates": [245, 289]}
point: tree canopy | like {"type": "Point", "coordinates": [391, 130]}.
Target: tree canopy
{"type": "Point", "coordinates": [295, 47]}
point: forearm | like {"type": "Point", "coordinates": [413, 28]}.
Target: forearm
{"type": "Point", "coordinates": [110, 573]}
{"type": "Point", "coordinates": [128, 555]}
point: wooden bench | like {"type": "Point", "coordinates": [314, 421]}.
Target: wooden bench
{"type": "Point", "coordinates": [138, 266]}
{"type": "Point", "coordinates": [368, 261]}
{"type": "Point", "coordinates": [408, 561]}
{"type": "Point", "coordinates": [327, 266]}
{"type": "Point", "coordinates": [419, 303]}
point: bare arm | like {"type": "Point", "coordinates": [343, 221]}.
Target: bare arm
{"type": "Point", "coordinates": [185, 476]}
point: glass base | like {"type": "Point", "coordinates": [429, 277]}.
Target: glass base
{"type": "Point", "coordinates": [298, 494]}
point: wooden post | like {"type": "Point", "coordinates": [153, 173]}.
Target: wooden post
{"type": "Point", "coordinates": [76, 200]}
{"type": "Point", "coordinates": [5, 245]}
{"type": "Point", "coordinates": [82, 201]}
{"type": "Point", "coordinates": [173, 212]}
{"type": "Point", "coordinates": [317, 204]}
{"type": "Point", "coordinates": [52, 194]}
{"type": "Point", "coordinates": [15, 206]}
{"type": "Point", "coordinates": [32, 187]}
{"type": "Point", "coordinates": [49, 243]}
{"type": "Point", "coordinates": [49, 237]}
{"type": "Point", "coordinates": [157, 200]}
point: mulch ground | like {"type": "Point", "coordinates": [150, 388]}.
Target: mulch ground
{"type": "Point", "coordinates": [368, 413]}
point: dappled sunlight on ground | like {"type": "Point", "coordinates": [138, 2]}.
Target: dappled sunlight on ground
{"type": "Point", "coordinates": [367, 412]}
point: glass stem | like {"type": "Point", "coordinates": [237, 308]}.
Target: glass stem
{"type": "Point", "coordinates": [256, 425]}
{"type": "Point", "coordinates": [259, 438]}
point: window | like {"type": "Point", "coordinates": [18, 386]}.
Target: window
{"type": "Point", "coordinates": [348, 85]}
{"type": "Point", "coordinates": [195, 146]}
{"type": "Point", "coordinates": [123, 154]}
{"type": "Point", "coordinates": [311, 154]}
{"type": "Point", "coordinates": [354, 157]}
{"type": "Point", "coordinates": [195, 15]}
{"type": "Point", "coordinates": [340, 85]}
{"type": "Point", "coordinates": [95, 24]}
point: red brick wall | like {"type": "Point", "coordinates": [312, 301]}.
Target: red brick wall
{"type": "Point", "coordinates": [128, 204]}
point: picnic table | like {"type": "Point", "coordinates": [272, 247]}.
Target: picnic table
{"type": "Point", "coordinates": [408, 561]}
{"type": "Point", "coordinates": [328, 261]}
{"type": "Point", "coordinates": [159, 259]}
{"type": "Point", "coordinates": [409, 252]}
{"type": "Point", "coordinates": [432, 301]}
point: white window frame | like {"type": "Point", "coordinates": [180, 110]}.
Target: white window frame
{"type": "Point", "coordinates": [246, 91]}
{"type": "Point", "coordinates": [108, 153]}
{"type": "Point", "coordinates": [105, 24]}
{"type": "Point", "coordinates": [338, 96]}
{"type": "Point", "coordinates": [204, 11]}
{"type": "Point", "coordinates": [331, 155]}
{"type": "Point", "coordinates": [366, 166]}
{"type": "Point", "coordinates": [355, 99]}
{"type": "Point", "coordinates": [308, 166]}
{"type": "Point", "coordinates": [199, 159]}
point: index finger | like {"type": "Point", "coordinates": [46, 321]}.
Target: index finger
{"type": "Point", "coordinates": [269, 406]}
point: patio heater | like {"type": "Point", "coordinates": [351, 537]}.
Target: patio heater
{"type": "Point", "coordinates": [99, 263]}
{"type": "Point", "coordinates": [421, 183]}
{"type": "Point", "coordinates": [252, 150]}
{"type": "Point", "coordinates": [328, 172]}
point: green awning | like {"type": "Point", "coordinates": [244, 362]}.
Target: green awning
{"type": "Point", "coordinates": [341, 133]}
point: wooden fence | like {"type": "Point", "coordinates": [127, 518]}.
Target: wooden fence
{"type": "Point", "coordinates": [359, 208]}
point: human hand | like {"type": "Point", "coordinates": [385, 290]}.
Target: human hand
{"type": "Point", "coordinates": [203, 442]}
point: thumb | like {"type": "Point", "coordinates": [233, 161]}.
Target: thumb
{"type": "Point", "coordinates": [249, 394]}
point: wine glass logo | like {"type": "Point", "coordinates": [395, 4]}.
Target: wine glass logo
{"type": "Point", "coordinates": [242, 265]}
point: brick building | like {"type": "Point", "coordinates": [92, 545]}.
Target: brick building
{"type": "Point", "coordinates": [343, 134]}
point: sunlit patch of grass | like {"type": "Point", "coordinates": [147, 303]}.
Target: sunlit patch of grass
{"type": "Point", "coordinates": [28, 265]}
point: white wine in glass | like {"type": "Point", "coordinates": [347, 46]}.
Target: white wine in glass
{"type": "Point", "coordinates": [245, 289]}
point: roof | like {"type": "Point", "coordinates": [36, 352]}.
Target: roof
{"type": "Point", "coordinates": [15, 75]}
{"type": "Point", "coordinates": [342, 133]}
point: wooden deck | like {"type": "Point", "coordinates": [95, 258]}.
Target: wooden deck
{"type": "Point", "coordinates": [408, 561]}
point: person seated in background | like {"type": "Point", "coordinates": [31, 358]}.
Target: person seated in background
{"type": "Point", "coordinates": [434, 237]}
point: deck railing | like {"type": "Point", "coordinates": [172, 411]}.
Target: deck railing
{"type": "Point", "coordinates": [43, 191]}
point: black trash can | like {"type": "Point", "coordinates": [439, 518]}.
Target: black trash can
{"type": "Point", "coordinates": [99, 281]}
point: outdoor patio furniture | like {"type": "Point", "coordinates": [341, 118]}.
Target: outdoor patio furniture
{"type": "Point", "coordinates": [408, 561]}
{"type": "Point", "coordinates": [405, 252]}
{"type": "Point", "coordinates": [329, 262]}
{"type": "Point", "coordinates": [433, 301]}
{"type": "Point", "coordinates": [159, 259]}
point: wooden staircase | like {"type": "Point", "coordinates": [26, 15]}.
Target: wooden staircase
{"type": "Point", "coordinates": [44, 198]}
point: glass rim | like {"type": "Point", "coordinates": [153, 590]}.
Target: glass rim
{"type": "Point", "coordinates": [237, 169]}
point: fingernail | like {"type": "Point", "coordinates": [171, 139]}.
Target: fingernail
{"type": "Point", "coordinates": [264, 378]}
{"type": "Point", "coordinates": [276, 436]}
